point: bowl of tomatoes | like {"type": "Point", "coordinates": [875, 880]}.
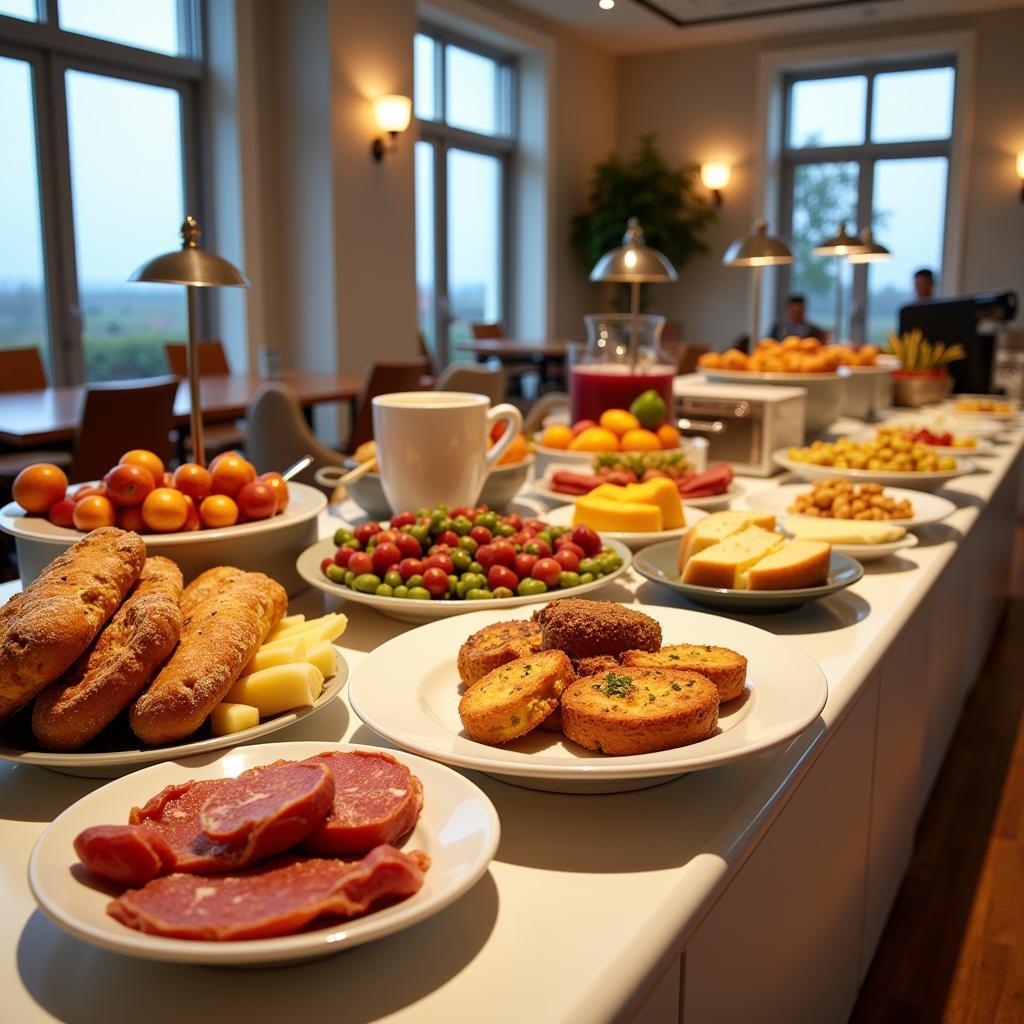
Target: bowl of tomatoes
{"type": "Point", "coordinates": [200, 517]}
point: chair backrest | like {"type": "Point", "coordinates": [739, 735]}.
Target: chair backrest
{"type": "Point", "coordinates": [21, 369]}
{"type": "Point", "coordinates": [421, 345]}
{"type": "Point", "coordinates": [480, 380]}
{"type": "Point", "coordinates": [277, 434]}
{"type": "Point", "coordinates": [483, 331]}
{"type": "Point", "coordinates": [123, 415]}
{"type": "Point", "coordinates": [548, 403]}
{"type": "Point", "coordinates": [382, 379]}
{"type": "Point", "coordinates": [212, 359]}
{"type": "Point", "coordinates": [685, 353]}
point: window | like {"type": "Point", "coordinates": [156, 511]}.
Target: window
{"type": "Point", "coordinates": [100, 115]}
{"type": "Point", "coordinates": [463, 102]}
{"type": "Point", "coordinates": [870, 146]}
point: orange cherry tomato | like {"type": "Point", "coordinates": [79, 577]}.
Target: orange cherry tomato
{"type": "Point", "coordinates": [93, 512]}
{"type": "Point", "coordinates": [87, 490]}
{"type": "Point", "coordinates": [62, 513]}
{"type": "Point", "coordinates": [223, 455]}
{"type": "Point", "coordinates": [128, 483]}
{"type": "Point", "coordinates": [40, 486]}
{"type": "Point", "coordinates": [256, 501]}
{"type": "Point", "coordinates": [218, 510]}
{"type": "Point", "coordinates": [192, 518]}
{"type": "Point", "coordinates": [164, 510]}
{"type": "Point", "coordinates": [148, 460]}
{"type": "Point", "coordinates": [231, 474]}
{"type": "Point", "coordinates": [192, 479]}
{"type": "Point", "coordinates": [130, 518]}
{"type": "Point", "coordinates": [278, 485]}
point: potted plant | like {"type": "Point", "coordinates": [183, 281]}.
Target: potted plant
{"type": "Point", "coordinates": [923, 377]}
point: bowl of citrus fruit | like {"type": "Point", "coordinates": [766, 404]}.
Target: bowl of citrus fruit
{"type": "Point", "coordinates": [200, 517]}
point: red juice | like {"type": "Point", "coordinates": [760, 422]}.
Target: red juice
{"type": "Point", "coordinates": [595, 387]}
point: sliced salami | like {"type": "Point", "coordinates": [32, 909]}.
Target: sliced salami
{"type": "Point", "coordinates": [126, 854]}
{"type": "Point", "coordinates": [376, 800]}
{"type": "Point", "coordinates": [277, 898]}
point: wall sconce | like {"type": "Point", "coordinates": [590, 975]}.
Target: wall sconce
{"type": "Point", "coordinates": [392, 114]}
{"type": "Point", "coordinates": [1020, 173]}
{"type": "Point", "coordinates": [715, 177]}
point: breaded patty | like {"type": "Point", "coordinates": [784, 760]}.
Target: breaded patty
{"type": "Point", "coordinates": [639, 710]}
{"type": "Point", "coordinates": [516, 697]}
{"type": "Point", "coordinates": [493, 646]}
{"type": "Point", "coordinates": [725, 668]}
{"type": "Point", "coordinates": [584, 629]}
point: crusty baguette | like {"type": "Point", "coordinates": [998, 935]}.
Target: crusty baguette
{"type": "Point", "coordinates": [219, 635]}
{"type": "Point", "coordinates": [44, 629]}
{"type": "Point", "coordinates": [118, 666]}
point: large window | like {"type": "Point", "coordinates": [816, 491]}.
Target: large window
{"type": "Point", "coordinates": [100, 164]}
{"type": "Point", "coordinates": [464, 106]}
{"type": "Point", "coordinates": [871, 147]}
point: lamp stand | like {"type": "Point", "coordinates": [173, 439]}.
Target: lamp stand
{"type": "Point", "coordinates": [195, 409]}
{"type": "Point", "coordinates": [839, 299]}
{"type": "Point", "coordinates": [634, 330]}
{"type": "Point", "coordinates": [755, 326]}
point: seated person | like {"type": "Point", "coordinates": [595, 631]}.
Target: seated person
{"type": "Point", "coordinates": [924, 284]}
{"type": "Point", "coordinates": [795, 322]}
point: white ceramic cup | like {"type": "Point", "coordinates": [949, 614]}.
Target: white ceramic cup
{"type": "Point", "coordinates": [432, 446]}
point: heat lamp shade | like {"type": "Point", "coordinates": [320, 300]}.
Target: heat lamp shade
{"type": "Point", "coordinates": [758, 249]}
{"type": "Point", "coordinates": [191, 266]}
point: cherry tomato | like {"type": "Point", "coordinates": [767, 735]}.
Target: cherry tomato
{"type": "Point", "coordinates": [580, 425]}
{"type": "Point", "coordinates": [128, 483]}
{"type": "Point", "coordinates": [567, 559]}
{"type": "Point", "coordinates": [410, 567]}
{"type": "Point", "coordinates": [524, 565]}
{"type": "Point", "coordinates": [585, 537]}
{"type": "Point", "coordinates": [435, 580]}
{"type": "Point", "coordinates": [439, 549]}
{"type": "Point", "coordinates": [38, 487]}
{"type": "Point", "coordinates": [342, 555]}
{"type": "Point", "coordinates": [364, 531]}
{"type": "Point", "coordinates": [449, 538]}
{"type": "Point", "coordinates": [385, 555]}
{"type": "Point", "coordinates": [324, 563]}
{"type": "Point", "coordinates": [218, 510]}
{"type": "Point", "coordinates": [389, 536]}
{"type": "Point", "coordinates": [147, 460]}
{"type": "Point", "coordinates": [536, 525]}
{"type": "Point", "coordinates": [409, 545]}
{"type": "Point", "coordinates": [524, 536]}
{"type": "Point", "coordinates": [569, 545]}
{"type": "Point", "coordinates": [62, 513]}
{"type": "Point", "coordinates": [88, 490]}
{"type": "Point", "coordinates": [537, 547]}
{"type": "Point", "coordinates": [164, 510]}
{"type": "Point", "coordinates": [129, 517]}
{"type": "Point", "coordinates": [502, 576]}
{"type": "Point", "coordinates": [504, 552]}
{"type": "Point", "coordinates": [278, 485]}
{"type": "Point", "coordinates": [192, 479]}
{"type": "Point", "coordinates": [360, 563]}
{"type": "Point", "coordinates": [438, 561]}
{"type": "Point", "coordinates": [217, 459]}
{"type": "Point", "coordinates": [256, 500]}
{"type": "Point", "coordinates": [547, 570]}
{"type": "Point", "coordinates": [403, 519]}
{"type": "Point", "coordinates": [93, 512]}
{"type": "Point", "coordinates": [481, 534]}
{"type": "Point", "coordinates": [462, 510]}
{"type": "Point", "coordinates": [514, 521]}
{"type": "Point", "coordinates": [486, 557]}
{"type": "Point", "coordinates": [230, 474]}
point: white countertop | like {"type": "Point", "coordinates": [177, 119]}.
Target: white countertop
{"type": "Point", "coordinates": [588, 899]}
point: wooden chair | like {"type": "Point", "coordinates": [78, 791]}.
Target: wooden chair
{"type": "Point", "coordinates": [481, 332]}
{"type": "Point", "coordinates": [478, 380]}
{"type": "Point", "coordinates": [382, 379]}
{"type": "Point", "coordinates": [685, 354]}
{"type": "Point", "coordinates": [119, 416]}
{"type": "Point", "coordinates": [21, 369]}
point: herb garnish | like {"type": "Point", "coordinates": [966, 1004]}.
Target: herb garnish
{"type": "Point", "coordinates": [676, 686]}
{"type": "Point", "coordinates": [617, 686]}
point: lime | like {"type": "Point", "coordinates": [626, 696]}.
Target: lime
{"type": "Point", "coordinates": [649, 408]}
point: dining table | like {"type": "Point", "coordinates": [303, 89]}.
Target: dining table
{"type": "Point", "coordinates": [549, 355]}
{"type": "Point", "coordinates": [51, 415]}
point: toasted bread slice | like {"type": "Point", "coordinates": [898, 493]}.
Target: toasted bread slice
{"type": "Point", "coordinates": [798, 563]}
{"type": "Point", "coordinates": [639, 710]}
{"type": "Point", "coordinates": [496, 645]}
{"type": "Point", "coordinates": [722, 564]}
{"type": "Point", "coordinates": [516, 697]}
{"type": "Point", "coordinates": [718, 527]}
{"type": "Point", "coordinates": [725, 668]}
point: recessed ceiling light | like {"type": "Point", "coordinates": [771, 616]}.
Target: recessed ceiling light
{"type": "Point", "coordinates": [606, 5]}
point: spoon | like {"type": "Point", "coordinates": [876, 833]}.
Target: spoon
{"type": "Point", "coordinates": [297, 467]}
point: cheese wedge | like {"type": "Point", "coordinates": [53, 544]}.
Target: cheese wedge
{"type": "Point", "coordinates": [601, 513]}
{"type": "Point", "coordinates": [843, 531]}
{"type": "Point", "coordinates": [228, 718]}
{"type": "Point", "coordinates": [659, 491]}
{"type": "Point", "coordinates": [277, 689]}
{"type": "Point", "coordinates": [722, 564]}
{"type": "Point", "coordinates": [798, 563]}
{"type": "Point", "coordinates": [717, 527]}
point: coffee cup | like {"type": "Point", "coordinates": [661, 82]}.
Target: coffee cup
{"type": "Point", "coordinates": [432, 446]}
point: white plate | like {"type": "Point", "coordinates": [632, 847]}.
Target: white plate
{"type": "Point", "coordinates": [711, 502]}
{"type": "Point", "coordinates": [458, 830]}
{"type": "Point", "coordinates": [951, 405]}
{"type": "Point", "coordinates": [982, 446]}
{"type": "Point", "coordinates": [915, 481]}
{"type": "Point", "coordinates": [562, 516]}
{"type": "Point", "coordinates": [106, 764]}
{"type": "Point", "coordinates": [408, 691]}
{"type": "Point", "coordinates": [927, 508]}
{"type": "Point", "coordinates": [941, 420]}
{"type": "Point", "coordinates": [869, 552]}
{"type": "Point", "coordinates": [404, 610]}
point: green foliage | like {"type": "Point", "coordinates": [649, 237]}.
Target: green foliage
{"type": "Point", "coordinates": [823, 195]}
{"type": "Point", "coordinates": [671, 210]}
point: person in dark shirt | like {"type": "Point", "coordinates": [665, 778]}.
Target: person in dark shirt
{"type": "Point", "coordinates": [924, 284]}
{"type": "Point", "coordinates": [795, 322]}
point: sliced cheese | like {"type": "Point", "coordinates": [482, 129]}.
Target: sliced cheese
{"type": "Point", "coordinates": [322, 655]}
{"type": "Point", "coordinates": [797, 563]}
{"type": "Point", "coordinates": [286, 624]}
{"type": "Point", "coordinates": [717, 527]}
{"type": "Point", "coordinates": [277, 689]}
{"type": "Point", "coordinates": [328, 627]}
{"type": "Point", "coordinates": [843, 531]}
{"type": "Point", "coordinates": [228, 718]}
{"type": "Point", "coordinates": [602, 513]}
{"type": "Point", "coordinates": [722, 564]}
{"type": "Point", "coordinates": [281, 654]}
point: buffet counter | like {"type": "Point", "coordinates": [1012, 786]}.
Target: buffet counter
{"type": "Point", "coordinates": [757, 890]}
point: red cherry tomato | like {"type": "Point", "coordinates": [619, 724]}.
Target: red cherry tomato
{"type": "Point", "coordinates": [403, 519]}
{"type": "Point", "coordinates": [324, 564]}
{"type": "Point", "coordinates": [481, 534]}
{"type": "Point", "coordinates": [502, 576]}
{"type": "Point", "coordinates": [462, 510]}
{"type": "Point", "coordinates": [342, 556]}
{"type": "Point", "coordinates": [129, 517]}
{"type": "Point", "coordinates": [193, 480]}
{"type": "Point", "coordinates": [567, 559]}
{"type": "Point", "coordinates": [387, 535]}
{"type": "Point", "coordinates": [585, 537]}
{"type": "Point", "coordinates": [514, 521]}
{"type": "Point", "coordinates": [385, 555]}
{"type": "Point", "coordinates": [128, 484]}
{"type": "Point", "coordinates": [565, 544]}
{"type": "Point", "coordinates": [537, 547]}
{"type": "Point", "coordinates": [435, 580]}
{"type": "Point", "coordinates": [409, 546]}
{"type": "Point", "coordinates": [449, 538]}
{"type": "Point", "coordinates": [439, 561]}
{"type": "Point", "coordinates": [580, 425]}
{"type": "Point", "coordinates": [546, 570]}
{"type": "Point", "coordinates": [536, 525]}
{"type": "Point", "coordinates": [88, 491]}
{"type": "Point", "coordinates": [62, 513]}
{"type": "Point", "coordinates": [524, 565]}
{"type": "Point", "coordinates": [364, 531]}
{"type": "Point", "coordinates": [524, 536]}
{"type": "Point", "coordinates": [410, 567]}
{"type": "Point", "coordinates": [277, 484]}
{"type": "Point", "coordinates": [360, 562]}
{"type": "Point", "coordinates": [256, 500]}
{"type": "Point", "coordinates": [504, 552]}
{"type": "Point", "coordinates": [486, 557]}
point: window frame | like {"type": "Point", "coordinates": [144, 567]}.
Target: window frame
{"type": "Point", "coordinates": [444, 137]}
{"type": "Point", "coordinates": [865, 155]}
{"type": "Point", "coordinates": [51, 51]}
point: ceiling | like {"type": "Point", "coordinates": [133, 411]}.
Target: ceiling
{"type": "Point", "coordinates": [634, 26]}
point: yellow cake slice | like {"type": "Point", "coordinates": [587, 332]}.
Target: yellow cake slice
{"type": "Point", "coordinates": [717, 527]}
{"type": "Point", "coordinates": [660, 492]}
{"type": "Point", "coordinates": [723, 564]}
{"type": "Point", "coordinates": [797, 563]}
{"type": "Point", "coordinates": [602, 513]}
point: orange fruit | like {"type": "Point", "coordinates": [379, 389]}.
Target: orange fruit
{"type": "Point", "coordinates": [164, 510]}
{"type": "Point", "coordinates": [93, 512]}
{"type": "Point", "coordinates": [668, 436]}
{"type": "Point", "coordinates": [619, 421]}
{"type": "Point", "coordinates": [558, 435]}
{"type": "Point", "coordinates": [278, 485]}
{"type": "Point", "coordinates": [40, 486]}
{"type": "Point", "coordinates": [193, 480]}
{"type": "Point", "coordinates": [640, 441]}
{"type": "Point", "coordinates": [516, 452]}
{"type": "Point", "coordinates": [595, 439]}
{"type": "Point", "coordinates": [129, 517]}
{"type": "Point", "coordinates": [146, 459]}
{"type": "Point", "coordinates": [231, 473]}
{"type": "Point", "coordinates": [218, 510]}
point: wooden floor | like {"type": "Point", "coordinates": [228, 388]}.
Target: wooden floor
{"type": "Point", "coordinates": [953, 948]}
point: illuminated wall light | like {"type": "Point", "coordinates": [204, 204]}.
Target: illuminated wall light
{"type": "Point", "coordinates": [1020, 173]}
{"type": "Point", "coordinates": [392, 114]}
{"type": "Point", "coordinates": [606, 5]}
{"type": "Point", "coordinates": [715, 177]}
